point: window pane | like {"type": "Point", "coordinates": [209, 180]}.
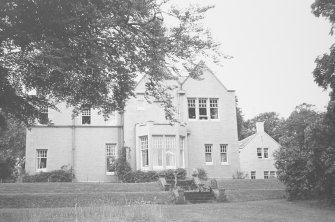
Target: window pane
{"type": "Point", "coordinates": [203, 109]}
{"type": "Point", "coordinates": [110, 157]}
{"type": "Point", "coordinates": [44, 115]}
{"type": "Point", "coordinates": [223, 153]}
{"type": "Point", "coordinates": [266, 174]}
{"type": "Point", "coordinates": [86, 116]}
{"type": "Point", "coordinates": [42, 159]}
{"type": "Point", "coordinates": [208, 153]}
{"type": "Point", "coordinates": [170, 142]}
{"type": "Point", "coordinates": [157, 146]}
{"type": "Point", "coordinates": [191, 108]}
{"type": "Point", "coordinates": [181, 150]}
{"type": "Point", "coordinates": [214, 111]}
{"type": "Point", "coordinates": [266, 154]}
{"type": "Point", "coordinates": [259, 152]}
{"type": "Point", "coordinates": [253, 174]}
{"type": "Point", "coordinates": [144, 151]}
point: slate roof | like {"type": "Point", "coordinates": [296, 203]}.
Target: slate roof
{"type": "Point", "coordinates": [245, 141]}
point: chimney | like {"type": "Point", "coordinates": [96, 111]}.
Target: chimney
{"type": "Point", "coordinates": [259, 127]}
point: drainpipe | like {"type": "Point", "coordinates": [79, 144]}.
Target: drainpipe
{"type": "Point", "coordinates": [73, 129]}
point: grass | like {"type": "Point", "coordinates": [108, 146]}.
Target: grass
{"type": "Point", "coordinates": [262, 211]}
{"type": "Point", "coordinates": [246, 184]}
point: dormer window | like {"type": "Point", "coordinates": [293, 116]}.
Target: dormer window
{"type": "Point", "coordinates": [140, 101]}
{"type": "Point", "coordinates": [86, 116]}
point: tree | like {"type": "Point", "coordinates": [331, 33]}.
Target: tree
{"type": "Point", "coordinates": [240, 120]}
{"type": "Point", "coordinates": [272, 125]}
{"type": "Point", "coordinates": [90, 52]}
{"type": "Point", "coordinates": [305, 162]}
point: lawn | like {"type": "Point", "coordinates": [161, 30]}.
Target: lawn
{"type": "Point", "coordinates": [265, 210]}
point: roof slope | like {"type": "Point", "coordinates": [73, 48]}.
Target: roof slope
{"type": "Point", "coordinates": [245, 141]}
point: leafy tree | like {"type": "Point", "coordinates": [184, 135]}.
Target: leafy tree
{"type": "Point", "coordinates": [90, 52]}
{"type": "Point", "coordinates": [272, 125]}
{"type": "Point", "coordinates": [305, 162]}
{"type": "Point", "coordinates": [240, 120]}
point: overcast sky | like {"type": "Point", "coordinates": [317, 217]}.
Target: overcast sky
{"type": "Point", "coordinates": [274, 44]}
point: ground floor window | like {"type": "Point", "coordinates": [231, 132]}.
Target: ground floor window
{"type": "Point", "coordinates": [170, 151]}
{"type": "Point", "coordinates": [42, 156]}
{"type": "Point", "coordinates": [111, 155]}
{"type": "Point", "coordinates": [144, 151]}
{"type": "Point", "coordinates": [182, 151]}
{"type": "Point", "coordinates": [266, 174]}
{"type": "Point", "coordinates": [208, 154]}
{"type": "Point", "coordinates": [272, 174]}
{"type": "Point", "coordinates": [223, 153]}
{"type": "Point", "coordinates": [157, 148]}
{"type": "Point", "coordinates": [253, 175]}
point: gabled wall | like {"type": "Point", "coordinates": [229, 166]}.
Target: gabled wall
{"type": "Point", "coordinates": [248, 155]}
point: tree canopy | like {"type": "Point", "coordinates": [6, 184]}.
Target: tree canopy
{"type": "Point", "coordinates": [89, 52]}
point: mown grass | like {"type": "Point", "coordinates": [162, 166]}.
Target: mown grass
{"type": "Point", "coordinates": [247, 184]}
{"type": "Point", "coordinates": [260, 211]}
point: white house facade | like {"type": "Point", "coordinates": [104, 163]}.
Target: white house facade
{"type": "Point", "coordinates": [205, 135]}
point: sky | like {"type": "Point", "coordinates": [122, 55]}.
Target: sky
{"type": "Point", "coordinates": [274, 44]}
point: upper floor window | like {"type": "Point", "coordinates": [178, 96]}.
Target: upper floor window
{"type": "Point", "coordinates": [44, 119]}
{"type": "Point", "coordinates": [191, 108]}
{"type": "Point", "coordinates": [204, 108]}
{"type": "Point", "coordinates": [140, 101]}
{"type": "Point", "coordinates": [86, 116]}
{"type": "Point", "coordinates": [223, 153]}
{"type": "Point", "coordinates": [266, 153]}
{"type": "Point", "coordinates": [42, 159]}
{"type": "Point", "coordinates": [259, 152]}
{"type": "Point", "coordinates": [208, 154]}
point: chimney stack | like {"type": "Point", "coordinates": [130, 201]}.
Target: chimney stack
{"type": "Point", "coordinates": [259, 127]}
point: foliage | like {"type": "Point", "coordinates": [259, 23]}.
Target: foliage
{"type": "Point", "coordinates": [240, 175]}
{"type": "Point", "coordinates": [272, 125]}
{"type": "Point", "coordinates": [201, 173]}
{"type": "Point", "coordinates": [90, 52]}
{"type": "Point", "coordinates": [5, 169]}
{"type": "Point", "coordinates": [305, 162]}
{"type": "Point", "coordinates": [63, 175]}
{"type": "Point", "coordinates": [122, 167]}
{"type": "Point", "coordinates": [240, 120]}
{"type": "Point", "coordinates": [12, 147]}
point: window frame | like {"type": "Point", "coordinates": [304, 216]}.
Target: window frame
{"type": "Point", "coordinates": [44, 119]}
{"type": "Point", "coordinates": [267, 153]}
{"type": "Point", "coordinates": [259, 153]}
{"type": "Point", "coordinates": [224, 150]}
{"type": "Point", "coordinates": [209, 150]}
{"type": "Point", "coordinates": [39, 159]}
{"type": "Point", "coordinates": [253, 175]}
{"type": "Point", "coordinates": [110, 154]}
{"type": "Point", "coordinates": [140, 100]}
{"type": "Point", "coordinates": [154, 149]}
{"type": "Point", "coordinates": [214, 106]}
{"type": "Point", "coordinates": [182, 151]}
{"type": "Point", "coordinates": [203, 105]}
{"type": "Point", "coordinates": [173, 151]}
{"type": "Point", "coordinates": [144, 146]}
{"type": "Point", "coordinates": [86, 116]}
{"type": "Point", "coordinates": [191, 104]}
{"type": "Point", "coordinates": [266, 175]}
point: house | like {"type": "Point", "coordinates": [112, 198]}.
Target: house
{"type": "Point", "coordinates": [205, 135]}
{"type": "Point", "coordinates": [256, 154]}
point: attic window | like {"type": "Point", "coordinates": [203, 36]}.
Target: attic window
{"type": "Point", "coordinates": [86, 116]}
{"type": "Point", "coordinates": [259, 152]}
{"type": "Point", "coordinates": [140, 101]}
{"type": "Point", "coordinates": [44, 119]}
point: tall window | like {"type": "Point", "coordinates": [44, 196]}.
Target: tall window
{"type": "Point", "coordinates": [170, 151]}
{"type": "Point", "coordinates": [223, 153]}
{"type": "Point", "coordinates": [42, 159]}
{"type": "Point", "coordinates": [144, 151]}
{"type": "Point", "coordinates": [157, 146]}
{"type": "Point", "coordinates": [44, 119]}
{"type": "Point", "coordinates": [86, 116]}
{"type": "Point", "coordinates": [191, 108]}
{"type": "Point", "coordinates": [253, 175]}
{"type": "Point", "coordinates": [181, 151]}
{"type": "Point", "coordinates": [140, 101]}
{"type": "Point", "coordinates": [203, 108]}
{"type": "Point", "coordinates": [266, 174]}
{"type": "Point", "coordinates": [213, 104]}
{"type": "Point", "coordinates": [266, 153]}
{"type": "Point", "coordinates": [111, 155]}
{"type": "Point", "coordinates": [208, 153]}
{"type": "Point", "coordinates": [259, 152]}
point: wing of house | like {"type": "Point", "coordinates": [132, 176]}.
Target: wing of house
{"type": "Point", "coordinates": [205, 135]}
{"type": "Point", "coordinates": [256, 154]}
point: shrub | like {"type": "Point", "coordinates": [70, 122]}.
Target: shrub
{"type": "Point", "coordinates": [122, 167]}
{"type": "Point", "coordinates": [63, 175]}
{"type": "Point", "coordinates": [201, 173]}
{"type": "Point", "coordinates": [240, 175]}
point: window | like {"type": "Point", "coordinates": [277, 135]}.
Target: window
{"type": "Point", "coordinates": [181, 151]}
{"type": "Point", "coordinates": [208, 154]}
{"type": "Point", "coordinates": [86, 116]}
{"type": "Point", "coordinates": [157, 146]}
{"type": "Point", "coordinates": [203, 109]}
{"type": "Point", "coordinates": [259, 152]}
{"type": "Point", "coordinates": [272, 174]}
{"type": "Point", "coordinates": [266, 153]}
{"type": "Point", "coordinates": [144, 151]}
{"type": "Point", "coordinates": [44, 119]}
{"type": "Point", "coordinates": [170, 157]}
{"type": "Point", "coordinates": [214, 112]}
{"type": "Point", "coordinates": [42, 159]}
{"type": "Point", "coordinates": [266, 174]}
{"type": "Point", "coordinates": [223, 153]}
{"type": "Point", "coordinates": [253, 175]}
{"type": "Point", "coordinates": [111, 155]}
{"type": "Point", "coordinates": [191, 108]}
{"type": "Point", "coordinates": [140, 101]}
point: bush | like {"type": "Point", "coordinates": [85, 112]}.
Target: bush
{"type": "Point", "coordinates": [240, 175]}
{"type": "Point", "coordinates": [62, 175]}
{"type": "Point", "coordinates": [201, 173]}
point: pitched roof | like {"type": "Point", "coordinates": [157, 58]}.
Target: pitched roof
{"type": "Point", "coordinates": [245, 141]}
